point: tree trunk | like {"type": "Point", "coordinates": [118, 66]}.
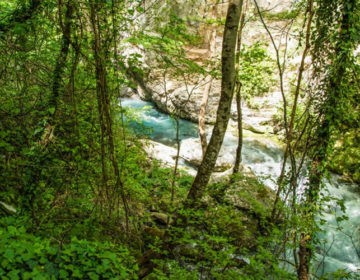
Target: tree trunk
{"type": "Point", "coordinates": [223, 113]}
{"type": "Point", "coordinates": [294, 108]}
{"type": "Point", "coordinates": [334, 94]}
{"type": "Point", "coordinates": [238, 93]}
{"type": "Point", "coordinates": [104, 111]}
{"type": "Point", "coordinates": [62, 57]}
{"type": "Point", "coordinates": [281, 68]}
{"type": "Point", "coordinates": [202, 120]}
{"type": "Point", "coordinates": [240, 129]}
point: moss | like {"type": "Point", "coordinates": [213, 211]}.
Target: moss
{"type": "Point", "coordinates": [283, 15]}
{"type": "Point", "coordinates": [346, 157]}
{"type": "Point", "coordinates": [242, 207]}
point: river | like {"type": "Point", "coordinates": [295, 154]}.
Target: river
{"type": "Point", "coordinates": [264, 158]}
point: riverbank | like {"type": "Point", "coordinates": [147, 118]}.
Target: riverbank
{"type": "Point", "coordinates": [262, 156]}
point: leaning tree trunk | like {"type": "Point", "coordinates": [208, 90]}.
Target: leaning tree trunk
{"type": "Point", "coordinates": [223, 113]}
{"type": "Point", "coordinates": [202, 119]}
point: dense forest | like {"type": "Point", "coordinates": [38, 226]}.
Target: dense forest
{"type": "Point", "coordinates": [179, 139]}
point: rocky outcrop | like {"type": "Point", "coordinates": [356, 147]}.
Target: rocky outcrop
{"type": "Point", "coordinates": [185, 101]}
{"type": "Point", "coordinates": [175, 95]}
{"type": "Point", "coordinates": [190, 155]}
{"type": "Point", "coordinates": [166, 155]}
{"type": "Point", "coordinates": [182, 99]}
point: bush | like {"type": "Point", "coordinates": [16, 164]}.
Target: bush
{"type": "Point", "coordinates": [25, 256]}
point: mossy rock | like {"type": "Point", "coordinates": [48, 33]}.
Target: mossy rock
{"type": "Point", "coordinates": [241, 207]}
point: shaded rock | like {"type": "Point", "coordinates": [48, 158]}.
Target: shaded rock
{"type": "Point", "coordinates": [154, 231]}
{"type": "Point", "coordinates": [258, 130]}
{"type": "Point", "coordinates": [7, 209]}
{"type": "Point", "coordinates": [161, 218]}
{"type": "Point", "coordinates": [249, 194]}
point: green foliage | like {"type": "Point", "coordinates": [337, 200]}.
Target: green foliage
{"type": "Point", "coordinates": [346, 157]}
{"type": "Point", "coordinates": [337, 89]}
{"type": "Point", "coordinates": [341, 274]}
{"type": "Point", "coordinates": [25, 256]}
{"type": "Point", "coordinates": [56, 167]}
{"type": "Point", "coordinates": [167, 44]}
{"type": "Point", "coordinates": [283, 15]}
{"type": "Point", "coordinates": [256, 70]}
{"type": "Point", "coordinates": [205, 250]}
{"type": "Point", "coordinates": [6, 7]}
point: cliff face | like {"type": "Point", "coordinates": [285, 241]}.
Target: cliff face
{"type": "Point", "coordinates": [183, 96]}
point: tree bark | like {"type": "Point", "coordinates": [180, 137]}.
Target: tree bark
{"type": "Point", "coordinates": [238, 158]}
{"type": "Point", "coordinates": [62, 56]}
{"type": "Point", "coordinates": [223, 113]}
{"type": "Point", "coordinates": [202, 120]}
{"type": "Point", "coordinates": [238, 93]}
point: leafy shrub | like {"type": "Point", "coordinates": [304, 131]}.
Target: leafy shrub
{"type": "Point", "coordinates": [256, 70]}
{"type": "Point", "coordinates": [25, 256]}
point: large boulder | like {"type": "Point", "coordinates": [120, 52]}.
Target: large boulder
{"type": "Point", "coordinates": [166, 155]}
{"type": "Point", "coordinates": [175, 97]}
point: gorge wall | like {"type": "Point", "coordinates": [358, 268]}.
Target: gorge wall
{"type": "Point", "coordinates": [182, 96]}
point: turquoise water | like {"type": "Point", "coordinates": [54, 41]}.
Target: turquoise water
{"type": "Point", "coordinates": [158, 126]}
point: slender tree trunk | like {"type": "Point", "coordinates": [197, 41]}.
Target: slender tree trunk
{"type": "Point", "coordinates": [62, 56]}
{"type": "Point", "coordinates": [115, 39]}
{"type": "Point", "coordinates": [310, 8]}
{"type": "Point", "coordinates": [238, 158]}
{"type": "Point", "coordinates": [72, 93]}
{"type": "Point", "coordinates": [281, 69]}
{"type": "Point", "coordinates": [99, 89]}
{"type": "Point", "coordinates": [223, 113]}
{"type": "Point", "coordinates": [202, 120]}
{"type": "Point", "coordinates": [238, 93]}
{"type": "Point", "coordinates": [178, 146]}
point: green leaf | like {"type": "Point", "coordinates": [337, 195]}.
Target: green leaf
{"type": "Point", "coordinates": [93, 276]}
{"type": "Point", "coordinates": [51, 110]}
